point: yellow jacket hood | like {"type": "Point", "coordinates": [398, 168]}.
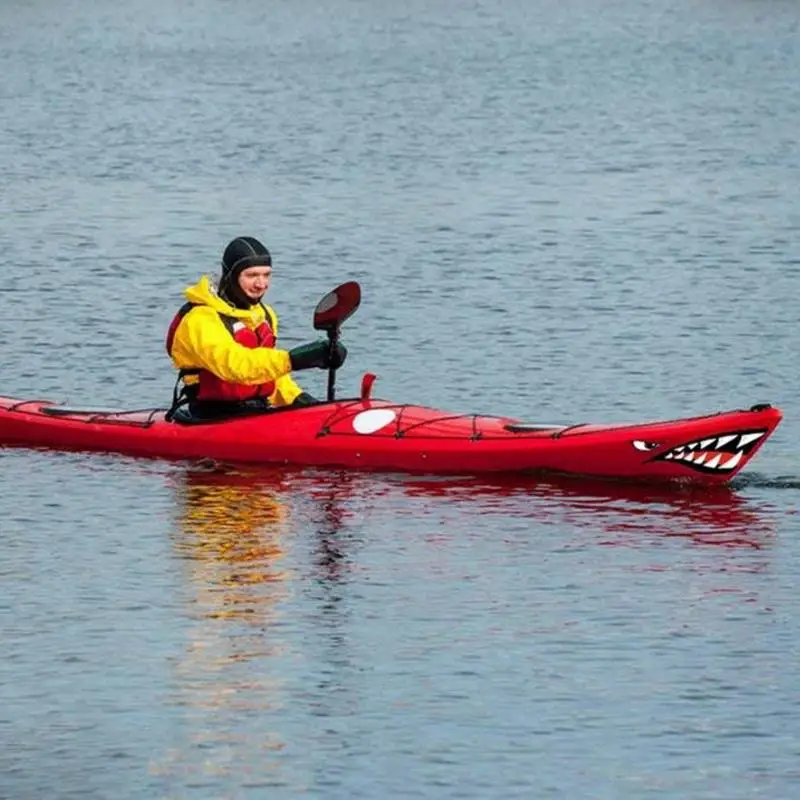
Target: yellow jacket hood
{"type": "Point", "coordinates": [203, 294]}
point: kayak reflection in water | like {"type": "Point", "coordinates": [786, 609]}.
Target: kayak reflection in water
{"type": "Point", "coordinates": [223, 342]}
{"type": "Point", "coordinates": [619, 512]}
{"type": "Point", "coordinates": [231, 539]}
{"type": "Point", "coordinates": [232, 536]}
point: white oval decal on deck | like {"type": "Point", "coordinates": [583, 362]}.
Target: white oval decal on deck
{"type": "Point", "coordinates": [373, 420]}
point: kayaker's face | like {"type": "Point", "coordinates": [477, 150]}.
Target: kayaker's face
{"type": "Point", "coordinates": [254, 282]}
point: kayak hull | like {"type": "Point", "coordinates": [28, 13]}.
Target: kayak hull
{"type": "Point", "coordinates": [379, 435]}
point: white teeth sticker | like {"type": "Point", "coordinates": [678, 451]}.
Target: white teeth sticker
{"type": "Point", "coordinates": [373, 420]}
{"type": "Point", "coordinates": [715, 453]}
{"type": "Point", "coordinates": [704, 453]}
{"type": "Point", "coordinates": [746, 438]}
{"type": "Point", "coordinates": [733, 461]}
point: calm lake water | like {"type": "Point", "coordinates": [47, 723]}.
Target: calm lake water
{"type": "Point", "coordinates": [556, 211]}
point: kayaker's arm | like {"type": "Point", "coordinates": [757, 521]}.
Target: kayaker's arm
{"type": "Point", "coordinates": [286, 392]}
{"type": "Point", "coordinates": [202, 340]}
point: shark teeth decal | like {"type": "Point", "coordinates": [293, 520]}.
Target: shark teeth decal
{"type": "Point", "coordinates": [722, 453]}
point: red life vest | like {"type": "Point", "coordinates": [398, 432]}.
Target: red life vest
{"type": "Point", "coordinates": [209, 386]}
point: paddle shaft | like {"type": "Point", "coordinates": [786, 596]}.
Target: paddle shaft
{"type": "Point", "coordinates": [333, 338]}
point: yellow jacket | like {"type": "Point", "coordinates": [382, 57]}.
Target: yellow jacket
{"type": "Point", "coordinates": [202, 341]}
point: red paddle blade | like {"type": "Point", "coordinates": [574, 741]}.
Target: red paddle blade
{"type": "Point", "coordinates": [337, 306]}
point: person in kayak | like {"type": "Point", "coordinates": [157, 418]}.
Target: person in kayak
{"type": "Point", "coordinates": [223, 342]}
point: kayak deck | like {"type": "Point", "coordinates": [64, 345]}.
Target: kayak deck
{"type": "Point", "coordinates": [376, 434]}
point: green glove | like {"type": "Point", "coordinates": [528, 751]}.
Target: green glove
{"type": "Point", "coordinates": [317, 354]}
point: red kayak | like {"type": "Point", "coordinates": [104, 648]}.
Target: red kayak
{"type": "Point", "coordinates": [364, 433]}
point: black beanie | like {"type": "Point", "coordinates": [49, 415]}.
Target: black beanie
{"type": "Point", "coordinates": [241, 253]}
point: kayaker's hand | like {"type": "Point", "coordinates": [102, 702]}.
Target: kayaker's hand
{"type": "Point", "coordinates": [317, 354]}
{"type": "Point", "coordinates": [305, 399]}
{"type": "Point", "coordinates": [339, 356]}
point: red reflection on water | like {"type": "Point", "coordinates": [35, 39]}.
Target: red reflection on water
{"type": "Point", "coordinates": [616, 513]}
{"type": "Point", "coordinates": [714, 515]}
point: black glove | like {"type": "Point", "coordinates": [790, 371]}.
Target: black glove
{"type": "Point", "coordinates": [305, 399]}
{"type": "Point", "coordinates": [317, 354]}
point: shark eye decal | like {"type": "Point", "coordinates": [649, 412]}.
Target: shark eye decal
{"type": "Point", "coordinates": [645, 447]}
